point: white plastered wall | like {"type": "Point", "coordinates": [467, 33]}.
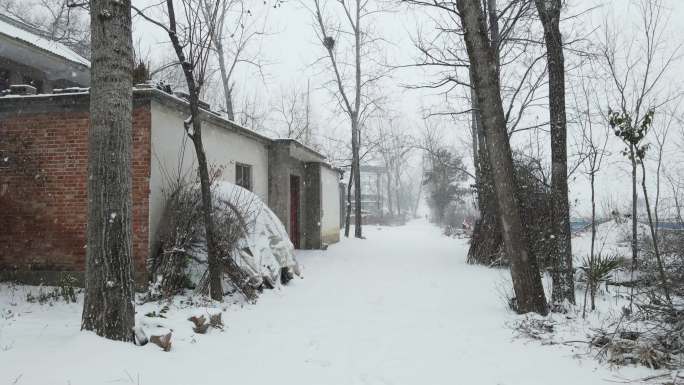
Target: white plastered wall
{"type": "Point", "coordinates": [330, 205]}
{"type": "Point", "coordinates": [172, 153]}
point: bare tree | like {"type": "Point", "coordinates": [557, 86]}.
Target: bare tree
{"type": "Point", "coordinates": [108, 307]}
{"type": "Point", "coordinates": [521, 74]}
{"type": "Point", "coordinates": [236, 32]}
{"type": "Point", "coordinates": [524, 271]}
{"type": "Point", "coordinates": [353, 95]}
{"type": "Point", "coordinates": [394, 145]}
{"type": "Point", "coordinates": [191, 43]}
{"type": "Point", "coordinates": [64, 21]}
{"type": "Point", "coordinates": [561, 271]}
{"type": "Point", "coordinates": [194, 69]}
{"type": "Point", "coordinates": [592, 152]}
{"type": "Point", "coordinates": [636, 67]}
{"type": "Point", "coordinates": [293, 111]}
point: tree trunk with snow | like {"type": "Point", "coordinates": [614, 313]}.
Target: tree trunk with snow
{"type": "Point", "coordinates": [524, 270]}
{"type": "Point", "coordinates": [486, 240]}
{"type": "Point", "coordinates": [561, 271]}
{"type": "Point", "coordinates": [108, 308]}
{"type": "Point", "coordinates": [193, 128]}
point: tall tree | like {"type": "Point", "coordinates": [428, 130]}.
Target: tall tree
{"type": "Point", "coordinates": [529, 293]}
{"type": "Point", "coordinates": [191, 42]}
{"type": "Point", "coordinates": [351, 101]}
{"type": "Point", "coordinates": [561, 271]}
{"type": "Point", "coordinates": [638, 80]}
{"type": "Point", "coordinates": [194, 68]}
{"type": "Point", "coordinates": [108, 308]}
{"type": "Point", "coordinates": [236, 29]}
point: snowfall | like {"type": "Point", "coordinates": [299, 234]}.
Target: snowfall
{"type": "Point", "coordinates": [400, 307]}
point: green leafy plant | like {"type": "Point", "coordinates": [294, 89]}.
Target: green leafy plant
{"type": "Point", "coordinates": [597, 269]}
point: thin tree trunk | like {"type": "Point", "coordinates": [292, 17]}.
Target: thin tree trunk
{"type": "Point", "coordinates": [593, 214]}
{"type": "Point", "coordinates": [348, 213]}
{"type": "Point", "coordinates": [194, 131]}
{"type": "Point", "coordinates": [357, 180]}
{"type": "Point", "coordinates": [356, 129]}
{"type": "Point", "coordinates": [654, 235]}
{"type": "Point", "coordinates": [225, 81]}
{"type": "Point", "coordinates": [562, 270]}
{"type": "Point", "coordinates": [524, 271]}
{"type": "Point", "coordinates": [108, 308]}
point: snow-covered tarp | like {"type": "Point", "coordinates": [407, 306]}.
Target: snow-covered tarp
{"type": "Point", "coordinates": [265, 250]}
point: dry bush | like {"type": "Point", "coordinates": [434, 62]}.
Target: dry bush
{"type": "Point", "coordinates": [181, 239]}
{"type": "Point", "coordinates": [533, 195]}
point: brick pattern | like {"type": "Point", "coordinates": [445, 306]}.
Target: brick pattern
{"type": "Point", "coordinates": [43, 202]}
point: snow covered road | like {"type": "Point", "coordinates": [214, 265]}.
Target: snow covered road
{"type": "Point", "coordinates": [400, 307]}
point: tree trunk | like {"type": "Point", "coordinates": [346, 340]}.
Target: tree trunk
{"type": "Point", "coordinates": [524, 271]}
{"type": "Point", "coordinates": [348, 212]}
{"type": "Point", "coordinates": [486, 241]}
{"type": "Point", "coordinates": [593, 214]}
{"type": "Point", "coordinates": [108, 308]}
{"type": "Point", "coordinates": [356, 169]}
{"type": "Point", "coordinates": [225, 81]}
{"type": "Point", "coordinates": [195, 134]}
{"type": "Point", "coordinates": [390, 205]}
{"type": "Point", "coordinates": [635, 249]}
{"type": "Point", "coordinates": [654, 236]}
{"type": "Point", "coordinates": [485, 244]}
{"type": "Point", "coordinates": [215, 266]}
{"type": "Point", "coordinates": [562, 271]}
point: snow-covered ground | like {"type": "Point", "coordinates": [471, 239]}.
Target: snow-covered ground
{"type": "Point", "coordinates": [401, 307]}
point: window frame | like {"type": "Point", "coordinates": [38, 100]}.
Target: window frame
{"type": "Point", "coordinates": [240, 175]}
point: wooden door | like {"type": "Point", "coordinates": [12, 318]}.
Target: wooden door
{"type": "Point", "coordinates": [294, 211]}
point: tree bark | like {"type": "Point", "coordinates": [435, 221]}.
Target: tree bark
{"type": "Point", "coordinates": [108, 308]}
{"type": "Point", "coordinates": [485, 243]}
{"type": "Point", "coordinates": [348, 212]}
{"type": "Point", "coordinates": [357, 178]}
{"type": "Point", "coordinates": [562, 270]}
{"type": "Point", "coordinates": [634, 244]}
{"type": "Point", "coordinates": [524, 271]}
{"type": "Point", "coordinates": [225, 80]}
{"type": "Point", "coordinates": [654, 236]}
{"type": "Point", "coordinates": [194, 131]}
{"type": "Point", "coordinates": [356, 129]}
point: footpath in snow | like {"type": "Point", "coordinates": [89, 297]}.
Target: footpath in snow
{"type": "Point", "coordinates": [401, 307]}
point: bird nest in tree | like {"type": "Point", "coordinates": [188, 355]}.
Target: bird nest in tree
{"type": "Point", "coordinates": [329, 42]}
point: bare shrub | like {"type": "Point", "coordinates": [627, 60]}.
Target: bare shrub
{"type": "Point", "coordinates": [181, 239]}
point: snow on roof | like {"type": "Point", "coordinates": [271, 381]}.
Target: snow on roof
{"type": "Point", "coordinates": [10, 28]}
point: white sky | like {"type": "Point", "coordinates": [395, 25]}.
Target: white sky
{"type": "Point", "coordinates": [292, 51]}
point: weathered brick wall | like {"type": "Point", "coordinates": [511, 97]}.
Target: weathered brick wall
{"type": "Point", "coordinates": [43, 174]}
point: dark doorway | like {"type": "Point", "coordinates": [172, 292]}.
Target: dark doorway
{"type": "Point", "coordinates": [294, 210]}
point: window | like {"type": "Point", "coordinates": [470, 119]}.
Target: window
{"type": "Point", "coordinates": [4, 79]}
{"type": "Point", "coordinates": [243, 176]}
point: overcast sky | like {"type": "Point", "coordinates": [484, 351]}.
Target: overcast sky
{"type": "Point", "coordinates": [292, 51]}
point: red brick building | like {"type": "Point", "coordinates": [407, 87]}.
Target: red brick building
{"type": "Point", "coordinates": [43, 171]}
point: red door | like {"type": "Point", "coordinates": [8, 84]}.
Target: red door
{"type": "Point", "coordinates": [294, 210]}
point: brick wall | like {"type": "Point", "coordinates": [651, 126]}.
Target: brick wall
{"type": "Point", "coordinates": [43, 174]}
